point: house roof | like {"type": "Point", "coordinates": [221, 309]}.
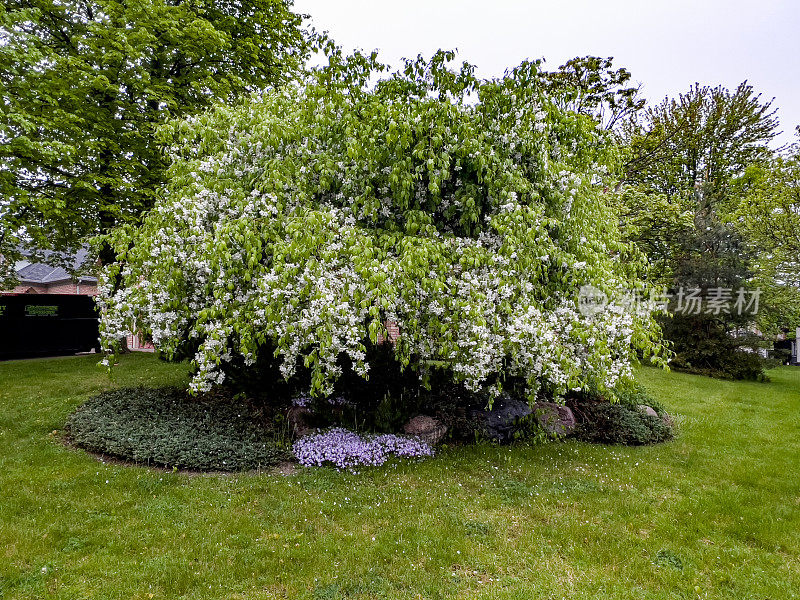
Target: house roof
{"type": "Point", "coordinates": [41, 272]}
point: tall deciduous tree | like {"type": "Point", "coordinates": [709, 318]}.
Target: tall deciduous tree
{"type": "Point", "coordinates": [705, 139]}
{"type": "Point", "coordinates": [769, 210]}
{"type": "Point", "coordinates": [708, 135]}
{"type": "Point", "coordinates": [85, 83]}
{"type": "Point", "coordinates": [768, 214]}
{"type": "Point", "coordinates": [590, 85]}
{"type": "Point", "coordinates": [687, 156]}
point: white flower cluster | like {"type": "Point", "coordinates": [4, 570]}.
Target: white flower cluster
{"type": "Point", "coordinates": [303, 221]}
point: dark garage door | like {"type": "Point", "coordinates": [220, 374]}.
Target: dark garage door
{"type": "Point", "coordinates": [47, 325]}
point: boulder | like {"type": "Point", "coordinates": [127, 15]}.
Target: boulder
{"type": "Point", "coordinates": [556, 419]}
{"type": "Point", "coordinates": [503, 420]}
{"type": "Point", "coordinates": [648, 410]}
{"type": "Point", "coordinates": [298, 418]}
{"type": "Point", "coordinates": [426, 428]}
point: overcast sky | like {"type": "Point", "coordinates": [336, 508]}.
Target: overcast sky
{"type": "Point", "coordinates": [667, 45]}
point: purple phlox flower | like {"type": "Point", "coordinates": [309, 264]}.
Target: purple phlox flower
{"type": "Point", "coordinates": [346, 449]}
{"type": "Point", "coordinates": [303, 400]}
{"type": "Point", "coordinates": [306, 401]}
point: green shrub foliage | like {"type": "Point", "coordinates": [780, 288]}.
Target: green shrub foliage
{"type": "Point", "coordinates": [635, 395]}
{"type": "Point", "coordinates": [617, 423]}
{"type": "Point", "coordinates": [616, 418]}
{"type": "Point", "coordinates": [704, 345]}
{"type": "Point", "coordinates": [165, 427]}
{"type": "Point", "coordinates": [297, 224]}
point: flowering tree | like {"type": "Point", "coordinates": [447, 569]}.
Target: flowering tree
{"type": "Point", "coordinates": [297, 224]}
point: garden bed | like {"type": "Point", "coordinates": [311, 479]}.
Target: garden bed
{"type": "Point", "coordinates": [166, 427]}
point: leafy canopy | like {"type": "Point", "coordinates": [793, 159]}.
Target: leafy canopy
{"type": "Point", "coordinates": [768, 215]}
{"type": "Point", "coordinates": [685, 160]}
{"type": "Point", "coordinates": [708, 135]}
{"type": "Point", "coordinates": [590, 85]}
{"type": "Point", "coordinates": [688, 162]}
{"type": "Point", "coordinates": [298, 223]}
{"type": "Point", "coordinates": [84, 84]}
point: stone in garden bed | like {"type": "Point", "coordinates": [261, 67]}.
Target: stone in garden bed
{"type": "Point", "coordinates": [556, 419]}
{"type": "Point", "coordinates": [299, 418]}
{"type": "Point", "coordinates": [500, 423]}
{"type": "Point", "coordinates": [648, 410]}
{"type": "Point", "coordinates": [426, 428]}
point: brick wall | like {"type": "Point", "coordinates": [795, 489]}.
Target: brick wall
{"type": "Point", "coordinates": [61, 287]}
{"type": "Point", "coordinates": [393, 329]}
{"type": "Point", "coordinates": [29, 289]}
{"type": "Point", "coordinates": [70, 287]}
{"type": "Point", "coordinates": [135, 342]}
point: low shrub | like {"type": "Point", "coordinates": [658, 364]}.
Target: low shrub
{"type": "Point", "coordinates": [165, 427]}
{"type": "Point", "coordinates": [738, 366]}
{"type": "Point", "coordinates": [704, 345]}
{"type": "Point", "coordinates": [618, 423]}
{"type": "Point", "coordinates": [636, 396]}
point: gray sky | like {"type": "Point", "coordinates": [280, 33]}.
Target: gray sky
{"type": "Point", "coordinates": [667, 45]}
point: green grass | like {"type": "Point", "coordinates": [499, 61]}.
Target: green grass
{"type": "Point", "coordinates": [713, 514]}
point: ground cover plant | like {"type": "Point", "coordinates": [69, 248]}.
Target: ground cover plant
{"type": "Point", "coordinates": [614, 423]}
{"type": "Point", "coordinates": [346, 449]}
{"type": "Point", "coordinates": [227, 431]}
{"type": "Point", "coordinates": [164, 427]}
{"type": "Point", "coordinates": [711, 515]}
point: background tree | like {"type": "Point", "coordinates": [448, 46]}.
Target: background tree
{"type": "Point", "coordinates": [714, 261]}
{"type": "Point", "coordinates": [768, 214]}
{"type": "Point", "coordinates": [589, 85]}
{"type": "Point", "coordinates": [708, 135]}
{"type": "Point", "coordinates": [84, 84]}
{"type": "Point", "coordinates": [686, 159]}
{"type": "Point", "coordinates": [659, 225]}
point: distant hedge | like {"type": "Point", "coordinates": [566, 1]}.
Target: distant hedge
{"type": "Point", "coordinates": [165, 427]}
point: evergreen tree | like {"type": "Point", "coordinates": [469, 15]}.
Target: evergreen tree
{"type": "Point", "coordinates": [714, 335]}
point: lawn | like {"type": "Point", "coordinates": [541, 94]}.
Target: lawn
{"type": "Point", "coordinates": [713, 514]}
